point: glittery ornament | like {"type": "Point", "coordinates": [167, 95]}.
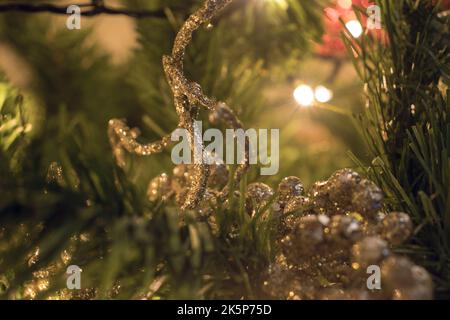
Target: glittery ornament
{"type": "Point", "coordinates": [401, 279]}
{"type": "Point", "coordinates": [295, 204]}
{"type": "Point", "coordinates": [290, 215]}
{"type": "Point", "coordinates": [368, 251]}
{"type": "Point", "coordinates": [121, 138]}
{"type": "Point", "coordinates": [346, 192]}
{"type": "Point", "coordinates": [310, 229]}
{"type": "Point", "coordinates": [282, 284]}
{"type": "Point", "coordinates": [326, 258]}
{"type": "Point", "coordinates": [308, 233]}
{"type": "Point", "coordinates": [43, 276]}
{"type": "Point", "coordinates": [159, 188]}
{"type": "Point", "coordinates": [277, 279]}
{"type": "Point", "coordinates": [282, 281]}
{"type": "Point", "coordinates": [218, 177]}
{"type": "Point", "coordinates": [289, 188]}
{"type": "Point", "coordinates": [342, 184]}
{"type": "Point", "coordinates": [257, 197]}
{"type": "Point", "coordinates": [367, 199]}
{"type": "Point", "coordinates": [182, 175]}
{"type": "Point", "coordinates": [208, 204]}
{"type": "Point", "coordinates": [188, 95]}
{"type": "Point", "coordinates": [84, 294]}
{"type": "Point", "coordinates": [397, 227]}
{"type": "Point", "coordinates": [319, 198]}
{"type": "Point", "coordinates": [188, 98]}
{"type": "Point", "coordinates": [345, 228]}
{"type": "Point", "coordinates": [56, 175]}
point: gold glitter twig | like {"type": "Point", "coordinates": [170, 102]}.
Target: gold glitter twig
{"type": "Point", "coordinates": [188, 97]}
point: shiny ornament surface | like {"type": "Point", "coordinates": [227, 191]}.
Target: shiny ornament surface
{"type": "Point", "coordinates": [397, 227]}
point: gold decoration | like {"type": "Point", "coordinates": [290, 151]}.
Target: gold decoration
{"type": "Point", "coordinates": [257, 196]}
{"type": "Point", "coordinates": [405, 281]}
{"type": "Point", "coordinates": [397, 227]}
{"type": "Point", "coordinates": [160, 188]}
{"type": "Point", "coordinates": [328, 241]}
{"type": "Point", "coordinates": [188, 97]}
{"type": "Point", "coordinates": [289, 188]}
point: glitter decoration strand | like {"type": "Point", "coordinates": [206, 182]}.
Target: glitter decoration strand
{"type": "Point", "coordinates": [188, 97]}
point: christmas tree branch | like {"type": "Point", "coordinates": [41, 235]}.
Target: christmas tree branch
{"type": "Point", "coordinates": [87, 9]}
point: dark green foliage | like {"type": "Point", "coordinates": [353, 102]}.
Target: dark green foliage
{"type": "Point", "coordinates": [406, 124]}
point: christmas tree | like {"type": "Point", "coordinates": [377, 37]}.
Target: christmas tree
{"type": "Point", "coordinates": [90, 97]}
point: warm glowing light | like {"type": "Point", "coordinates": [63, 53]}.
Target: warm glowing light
{"type": "Point", "coordinates": [304, 95]}
{"type": "Point", "coordinates": [282, 3]}
{"type": "Point", "coordinates": [323, 94]}
{"type": "Point", "coordinates": [345, 4]}
{"type": "Point", "coordinates": [355, 28]}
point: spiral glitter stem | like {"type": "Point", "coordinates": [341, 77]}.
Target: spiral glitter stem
{"type": "Point", "coordinates": [188, 97]}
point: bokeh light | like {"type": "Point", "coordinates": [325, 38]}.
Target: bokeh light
{"type": "Point", "coordinates": [323, 94]}
{"type": "Point", "coordinates": [304, 95]}
{"type": "Point", "coordinates": [355, 28]}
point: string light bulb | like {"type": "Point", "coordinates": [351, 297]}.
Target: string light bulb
{"type": "Point", "coordinates": [355, 28]}
{"type": "Point", "coordinates": [304, 95]}
{"type": "Point", "coordinates": [323, 94]}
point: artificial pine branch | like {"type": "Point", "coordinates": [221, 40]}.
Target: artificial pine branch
{"type": "Point", "coordinates": [406, 123]}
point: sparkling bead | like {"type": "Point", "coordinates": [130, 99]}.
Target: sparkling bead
{"type": "Point", "coordinates": [208, 203]}
{"type": "Point", "coordinates": [295, 203]}
{"type": "Point", "coordinates": [159, 188]}
{"type": "Point", "coordinates": [342, 184]}
{"type": "Point", "coordinates": [207, 208]}
{"type": "Point", "coordinates": [257, 196]}
{"type": "Point", "coordinates": [368, 199]}
{"type": "Point", "coordinates": [290, 216]}
{"type": "Point", "coordinates": [310, 230]}
{"type": "Point", "coordinates": [370, 250]}
{"type": "Point", "coordinates": [302, 241]}
{"type": "Point", "coordinates": [397, 227]}
{"type": "Point", "coordinates": [404, 281]}
{"type": "Point", "coordinates": [289, 188]}
{"type": "Point", "coordinates": [180, 181]}
{"type": "Point", "coordinates": [218, 176]}
{"type": "Point", "coordinates": [280, 281]}
{"type": "Point", "coordinates": [320, 198]}
{"type": "Point", "coordinates": [345, 228]}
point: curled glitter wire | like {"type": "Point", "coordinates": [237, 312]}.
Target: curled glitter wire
{"type": "Point", "coordinates": [121, 138]}
{"type": "Point", "coordinates": [188, 97]}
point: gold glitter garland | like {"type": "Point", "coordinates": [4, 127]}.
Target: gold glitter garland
{"type": "Point", "coordinates": [122, 137]}
{"type": "Point", "coordinates": [188, 96]}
